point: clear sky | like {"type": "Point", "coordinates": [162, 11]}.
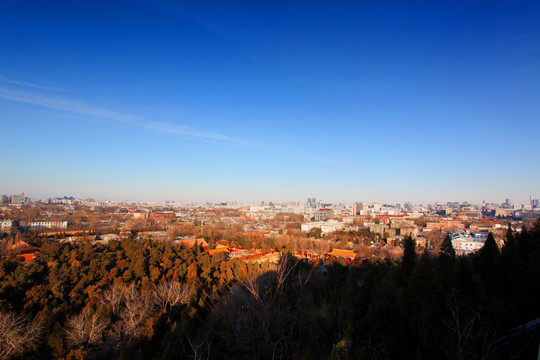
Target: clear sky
{"type": "Point", "coordinates": [276, 101]}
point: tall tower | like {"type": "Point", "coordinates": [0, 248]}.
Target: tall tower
{"type": "Point", "coordinates": [312, 202]}
{"type": "Point", "coordinates": [534, 201]}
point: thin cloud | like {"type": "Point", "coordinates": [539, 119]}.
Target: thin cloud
{"type": "Point", "coordinates": [85, 109]}
{"type": "Point", "coordinates": [29, 84]}
{"type": "Point", "coordinates": [63, 104]}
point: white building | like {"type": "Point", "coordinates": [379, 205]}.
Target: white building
{"type": "Point", "coordinates": [325, 226]}
{"type": "Point", "coordinates": [39, 225]}
{"type": "Point", "coordinates": [465, 244]}
{"type": "Point", "coordinates": [331, 226]}
{"type": "Point", "coordinates": [307, 227]}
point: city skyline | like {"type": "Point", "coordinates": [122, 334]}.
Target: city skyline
{"type": "Point", "coordinates": [154, 101]}
{"type": "Point", "coordinates": [532, 202]}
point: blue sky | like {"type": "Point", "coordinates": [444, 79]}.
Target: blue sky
{"type": "Point", "coordinates": [249, 101]}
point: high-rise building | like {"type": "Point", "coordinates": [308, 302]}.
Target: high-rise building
{"type": "Point", "coordinates": [534, 201]}
{"type": "Point", "coordinates": [17, 199]}
{"type": "Point", "coordinates": [312, 203]}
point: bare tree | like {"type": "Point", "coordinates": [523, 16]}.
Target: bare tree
{"type": "Point", "coordinates": [114, 297]}
{"type": "Point", "coordinates": [85, 328]}
{"type": "Point", "coordinates": [171, 293]}
{"type": "Point", "coordinates": [137, 309]}
{"type": "Point", "coordinates": [132, 308]}
{"type": "Point", "coordinates": [201, 351]}
{"type": "Point", "coordinates": [17, 335]}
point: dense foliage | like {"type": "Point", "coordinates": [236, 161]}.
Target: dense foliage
{"type": "Point", "coordinates": [151, 300]}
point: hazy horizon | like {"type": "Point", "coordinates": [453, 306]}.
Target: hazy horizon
{"type": "Point", "coordinates": [268, 200]}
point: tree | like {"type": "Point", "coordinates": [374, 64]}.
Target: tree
{"type": "Point", "coordinates": [17, 335]}
{"type": "Point", "coordinates": [85, 328]}
{"type": "Point", "coordinates": [447, 249]}
{"type": "Point", "coordinates": [409, 255]}
{"type": "Point", "coordinates": [510, 254]}
{"type": "Point", "coordinates": [446, 261]}
{"type": "Point", "coordinates": [488, 256]}
{"type": "Point", "coordinates": [137, 309]}
{"type": "Point", "coordinates": [315, 232]}
{"type": "Point", "coordinates": [171, 293]}
{"type": "Point", "coordinates": [113, 296]}
{"type": "Point", "coordinates": [424, 304]}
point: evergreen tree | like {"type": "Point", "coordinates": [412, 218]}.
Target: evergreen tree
{"type": "Point", "coordinates": [488, 256]}
{"type": "Point", "coordinates": [409, 255]}
{"type": "Point", "coordinates": [509, 242]}
{"type": "Point", "coordinates": [447, 249]}
{"type": "Point", "coordinates": [510, 253]}
{"type": "Point", "coordinates": [526, 246]}
{"type": "Point", "coordinates": [423, 303]}
{"type": "Point", "coordinates": [446, 261]}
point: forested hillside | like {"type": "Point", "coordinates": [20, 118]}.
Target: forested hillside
{"type": "Point", "coordinates": [152, 300]}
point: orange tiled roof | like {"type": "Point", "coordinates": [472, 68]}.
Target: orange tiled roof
{"type": "Point", "coordinates": [343, 253]}
{"type": "Point", "coordinates": [217, 250]}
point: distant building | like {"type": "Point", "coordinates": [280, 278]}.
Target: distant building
{"type": "Point", "coordinates": [17, 199]}
{"type": "Point", "coordinates": [473, 214]}
{"type": "Point", "coordinates": [446, 224]}
{"type": "Point", "coordinates": [154, 235]}
{"type": "Point", "coordinates": [378, 228]}
{"type": "Point", "coordinates": [307, 227]}
{"type": "Point", "coordinates": [534, 201]}
{"type": "Point", "coordinates": [325, 226]}
{"type": "Point", "coordinates": [39, 225]}
{"type": "Point", "coordinates": [13, 199]}
{"type": "Point", "coordinates": [331, 226]}
{"type": "Point", "coordinates": [465, 244]}
{"type": "Point", "coordinates": [409, 231]}
{"type": "Point", "coordinates": [323, 214]}
{"type": "Point", "coordinates": [528, 214]}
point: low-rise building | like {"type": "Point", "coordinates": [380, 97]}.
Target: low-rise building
{"type": "Point", "coordinates": [307, 227]}
{"type": "Point", "coordinates": [465, 244]}
{"type": "Point", "coordinates": [324, 214]}
{"type": "Point", "coordinates": [325, 226]}
{"type": "Point", "coordinates": [409, 231]}
{"type": "Point", "coordinates": [331, 226]}
{"type": "Point", "coordinates": [39, 225]}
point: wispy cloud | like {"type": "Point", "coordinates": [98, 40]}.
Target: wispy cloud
{"type": "Point", "coordinates": [63, 104]}
{"type": "Point", "coordinates": [29, 84]}
{"type": "Point", "coordinates": [85, 109]}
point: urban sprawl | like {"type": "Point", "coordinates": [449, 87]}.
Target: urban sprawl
{"type": "Point", "coordinates": [259, 232]}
